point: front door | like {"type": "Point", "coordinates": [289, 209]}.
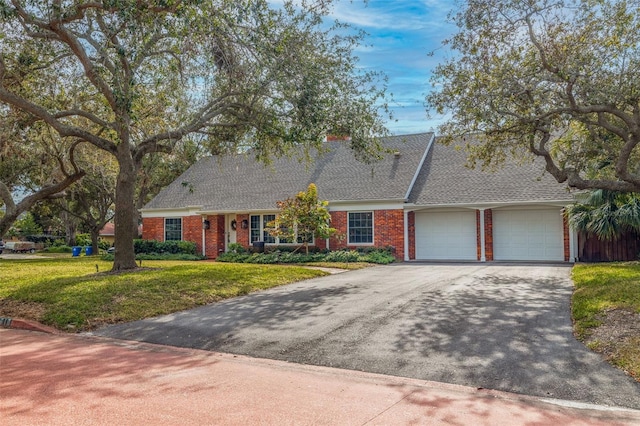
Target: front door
{"type": "Point", "coordinates": [231, 225]}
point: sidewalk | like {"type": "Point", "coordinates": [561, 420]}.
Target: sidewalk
{"type": "Point", "coordinates": [51, 379]}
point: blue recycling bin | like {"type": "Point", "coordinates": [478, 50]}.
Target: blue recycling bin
{"type": "Point", "coordinates": [88, 251]}
{"type": "Point", "coordinates": [75, 251]}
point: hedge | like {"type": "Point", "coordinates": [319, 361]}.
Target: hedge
{"type": "Point", "coordinates": [379, 256]}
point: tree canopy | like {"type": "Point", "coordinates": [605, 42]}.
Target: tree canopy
{"type": "Point", "coordinates": [556, 78]}
{"type": "Point", "coordinates": [133, 78]}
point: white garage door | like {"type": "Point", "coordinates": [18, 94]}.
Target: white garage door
{"type": "Point", "coordinates": [528, 235]}
{"type": "Point", "coordinates": [446, 235]}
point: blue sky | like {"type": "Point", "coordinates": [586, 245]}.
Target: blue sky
{"type": "Point", "coordinates": [401, 34]}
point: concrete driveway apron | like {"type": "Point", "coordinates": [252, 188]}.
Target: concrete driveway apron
{"type": "Point", "coordinates": [504, 327]}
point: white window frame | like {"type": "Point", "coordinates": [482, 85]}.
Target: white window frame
{"type": "Point", "coordinates": [373, 230]}
{"type": "Point", "coordinates": [181, 227]}
{"type": "Point", "coordinates": [276, 239]}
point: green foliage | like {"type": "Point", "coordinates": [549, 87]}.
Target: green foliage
{"type": "Point", "coordinates": [159, 256]}
{"type": "Point", "coordinates": [120, 77]}
{"type": "Point", "coordinates": [302, 218]}
{"type": "Point", "coordinates": [560, 80]}
{"type": "Point", "coordinates": [605, 214]}
{"type": "Point", "coordinates": [63, 248]}
{"type": "Point", "coordinates": [26, 225]}
{"type": "Point", "coordinates": [167, 247]}
{"type": "Point", "coordinates": [83, 240]}
{"type": "Point", "coordinates": [45, 239]}
{"type": "Point", "coordinates": [379, 256]}
{"type": "Point", "coordinates": [236, 248]}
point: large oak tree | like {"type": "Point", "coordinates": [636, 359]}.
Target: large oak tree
{"type": "Point", "coordinates": [556, 78]}
{"type": "Point", "coordinates": [35, 165]}
{"type": "Point", "coordinates": [134, 77]}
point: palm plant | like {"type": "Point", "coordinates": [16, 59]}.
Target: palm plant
{"type": "Point", "coordinates": [605, 214]}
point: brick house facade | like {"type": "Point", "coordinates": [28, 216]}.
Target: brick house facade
{"type": "Point", "coordinates": [420, 202]}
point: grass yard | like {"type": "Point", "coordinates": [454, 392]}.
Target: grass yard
{"type": "Point", "coordinates": [68, 294]}
{"type": "Point", "coordinates": [606, 311]}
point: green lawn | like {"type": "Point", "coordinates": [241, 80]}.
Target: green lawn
{"type": "Point", "coordinates": [601, 290]}
{"type": "Point", "coordinates": [68, 294]}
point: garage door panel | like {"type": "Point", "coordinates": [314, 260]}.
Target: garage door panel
{"type": "Point", "coordinates": [446, 235]}
{"type": "Point", "coordinates": [528, 235]}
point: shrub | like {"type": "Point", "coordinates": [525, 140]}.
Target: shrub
{"type": "Point", "coordinates": [342, 256]}
{"type": "Point", "coordinates": [83, 240]}
{"type": "Point", "coordinates": [237, 248]}
{"type": "Point", "coordinates": [379, 256]}
{"type": "Point", "coordinates": [159, 247]}
{"type": "Point", "coordinates": [159, 256]}
{"type": "Point", "coordinates": [62, 248]}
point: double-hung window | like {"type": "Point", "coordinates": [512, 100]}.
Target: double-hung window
{"type": "Point", "coordinates": [258, 231]}
{"type": "Point", "coordinates": [360, 227]}
{"type": "Point", "coordinates": [173, 229]}
{"type": "Point", "coordinates": [258, 228]}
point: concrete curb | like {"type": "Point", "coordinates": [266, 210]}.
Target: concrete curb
{"type": "Point", "coordinates": [21, 324]}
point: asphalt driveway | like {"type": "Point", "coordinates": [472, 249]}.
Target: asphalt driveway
{"type": "Point", "coordinates": [504, 327]}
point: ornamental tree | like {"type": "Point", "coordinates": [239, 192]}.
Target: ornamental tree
{"type": "Point", "coordinates": [302, 218]}
{"type": "Point", "coordinates": [559, 79]}
{"type": "Point", "coordinates": [134, 78]}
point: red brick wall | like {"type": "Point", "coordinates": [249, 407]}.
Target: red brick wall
{"type": "Point", "coordinates": [217, 224]}
{"type": "Point", "coordinates": [192, 230]}
{"type": "Point", "coordinates": [488, 234]}
{"type": "Point", "coordinates": [214, 236]}
{"type": "Point", "coordinates": [388, 230]}
{"type": "Point", "coordinates": [411, 218]}
{"type": "Point", "coordinates": [339, 222]}
{"type": "Point", "coordinates": [242, 235]}
{"type": "Point", "coordinates": [153, 228]}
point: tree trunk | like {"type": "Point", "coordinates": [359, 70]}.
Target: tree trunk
{"type": "Point", "coordinates": [95, 235]}
{"type": "Point", "coordinates": [70, 228]}
{"type": "Point", "coordinates": [7, 220]}
{"type": "Point", "coordinates": [125, 257]}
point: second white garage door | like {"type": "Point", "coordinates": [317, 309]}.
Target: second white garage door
{"type": "Point", "coordinates": [528, 235]}
{"type": "Point", "coordinates": [446, 235]}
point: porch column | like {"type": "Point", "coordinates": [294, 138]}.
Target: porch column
{"type": "Point", "coordinates": [406, 235]}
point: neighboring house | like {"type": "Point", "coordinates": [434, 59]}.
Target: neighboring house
{"type": "Point", "coordinates": [420, 200]}
{"type": "Point", "coordinates": [108, 233]}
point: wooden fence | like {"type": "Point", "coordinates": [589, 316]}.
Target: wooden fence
{"type": "Point", "coordinates": [625, 248]}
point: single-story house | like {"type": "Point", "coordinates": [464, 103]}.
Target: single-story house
{"type": "Point", "coordinates": [420, 200]}
{"type": "Point", "coordinates": [108, 233]}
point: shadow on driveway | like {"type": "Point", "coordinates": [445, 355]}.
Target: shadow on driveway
{"type": "Point", "coordinates": [504, 327]}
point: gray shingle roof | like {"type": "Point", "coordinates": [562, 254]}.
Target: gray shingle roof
{"type": "Point", "coordinates": [444, 180]}
{"type": "Point", "coordinates": [240, 183]}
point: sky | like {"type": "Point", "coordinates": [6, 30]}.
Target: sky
{"type": "Point", "coordinates": [401, 33]}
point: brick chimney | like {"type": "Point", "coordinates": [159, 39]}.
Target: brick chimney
{"type": "Point", "coordinates": [334, 138]}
